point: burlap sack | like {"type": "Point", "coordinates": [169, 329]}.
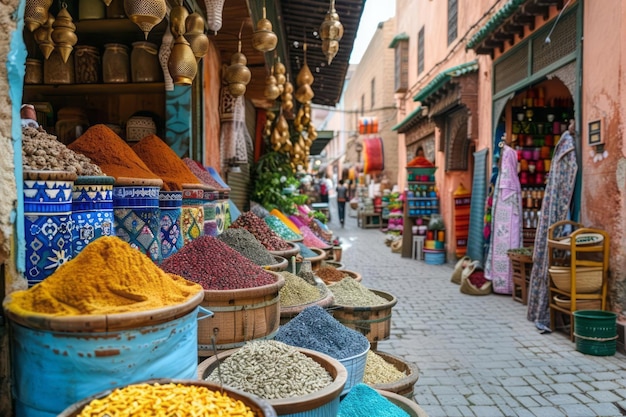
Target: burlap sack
{"type": "Point", "coordinates": [467, 287]}
{"type": "Point", "coordinates": [458, 269]}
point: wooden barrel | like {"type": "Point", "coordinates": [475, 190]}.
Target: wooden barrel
{"type": "Point", "coordinates": [259, 406]}
{"type": "Point", "coordinates": [408, 405]}
{"type": "Point", "coordinates": [287, 313]}
{"type": "Point", "coordinates": [324, 402]}
{"type": "Point", "coordinates": [316, 261]}
{"type": "Point", "coordinates": [374, 322]}
{"type": "Point", "coordinates": [239, 316]}
{"type": "Point", "coordinates": [280, 265]}
{"type": "Point", "coordinates": [403, 386]}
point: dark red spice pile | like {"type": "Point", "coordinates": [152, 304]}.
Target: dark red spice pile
{"type": "Point", "coordinates": [477, 279]}
{"type": "Point", "coordinates": [257, 226]}
{"type": "Point", "coordinates": [215, 266]}
{"type": "Point", "coordinates": [203, 175]}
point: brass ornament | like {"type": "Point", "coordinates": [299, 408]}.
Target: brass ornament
{"type": "Point", "coordinates": [287, 97]}
{"type": "Point", "coordinates": [182, 63]}
{"type": "Point", "coordinates": [237, 73]}
{"type": "Point", "coordinates": [145, 13]}
{"type": "Point", "coordinates": [263, 38]}
{"type": "Point", "coordinates": [64, 34]}
{"type": "Point", "coordinates": [271, 91]}
{"type": "Point", "coordinates": [304, 79]}
{"type": "Point", "coordinates": [107, 3]}
{"type": "Point", "coordinates": [178, 16]}
{"type": "Point", "coordinates": [279, 73]}
{"type": "Point", "coordinates": [199, 42]}
{"type": "Point", "coordinates": [331, 32]}
{"type": "Point", "coordinates": [43, 37]}
{"type": "Point", "coordinates": [36, 13]}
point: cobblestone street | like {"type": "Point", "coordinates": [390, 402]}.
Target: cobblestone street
{"type": "Point", "coordinates": [478, 355]}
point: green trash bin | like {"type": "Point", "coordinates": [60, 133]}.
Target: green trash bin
{"type": "Point", "coordinates": [595, 332]}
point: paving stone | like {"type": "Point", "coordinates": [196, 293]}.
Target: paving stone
{"type": "Point", "coordinates": [576, 410]}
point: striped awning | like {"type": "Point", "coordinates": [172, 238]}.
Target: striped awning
{"type": "Point", "coordinates": [444, 77]}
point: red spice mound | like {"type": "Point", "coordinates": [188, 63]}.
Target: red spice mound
{"type": "Point", "coordinates": [257, 226]}
{"type": "Point", "coordinates": [164, 162]}
{"type": "Point", "coordinates": [111, 153]}
{"type": "Point", "coordinates": [202, 174]}
{"type": "Point", "coordinates": [216, 266]}
{"type": "Point", "coordinates": [477, 279]}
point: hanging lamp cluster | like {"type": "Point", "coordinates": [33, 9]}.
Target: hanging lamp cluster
{"type": "Point", "coordinates": [51, 33]}
{"type": "Point", "coordinates": [237, 74]}
{"type": "Point", "coordinates": [145, 13]}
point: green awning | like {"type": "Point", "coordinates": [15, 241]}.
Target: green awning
{"type": "Point", "coordinates": [407, 119]}
{"type": "Point", "coordinates": [494, 22]}
{"type": "Point", "coordinates": [400, 37]}
{"type": "Point", "coordinates": [443, 77]}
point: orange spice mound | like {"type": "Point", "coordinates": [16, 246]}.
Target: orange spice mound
{"type": "Point", "coordinates": [164, 162]}
{"type": "Point", "coordinates": [107, 277]}
{"type": "Point", "coordinates": [114, 156]}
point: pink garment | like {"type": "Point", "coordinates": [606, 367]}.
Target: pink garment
{"type": "Point", "coordinates": [506, 223]}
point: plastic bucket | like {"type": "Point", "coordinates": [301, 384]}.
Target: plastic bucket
{"type": "Point", "coordinates": [595, 332]}
{"type": "Point", "coordinates": [323, 403]}
{"type": "Point", "coordinates": [136, 211]}
{"type": "Point", "coordinates": [355, 365]}
{"type": "Point", "coordinates": [92, 210]}
{"type": "Point", "coordinates": [47, 222]}
{"type": "Point", "coordinates": [170, 233]}
{"type": "Point", "coordinates": [58, 361]}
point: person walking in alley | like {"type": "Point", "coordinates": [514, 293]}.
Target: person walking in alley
{"type": "Point", "coordinates": [342, 195]}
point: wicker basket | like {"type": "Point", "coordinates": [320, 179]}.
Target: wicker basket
{"type": "Point", "coordinates": [403, 386]}
{"type": "Point", "coordinates": [352, 274]}
{"type": "Point", "coordinates": [566, 303]}
{"type": "Point", "coordinates": [588, 278]}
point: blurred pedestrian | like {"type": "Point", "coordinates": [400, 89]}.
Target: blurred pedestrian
{"type": "Point", "coordinates": [342, 197]}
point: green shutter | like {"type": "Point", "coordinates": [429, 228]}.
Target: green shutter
{"type": "Point", "coordinates": [476, 239]}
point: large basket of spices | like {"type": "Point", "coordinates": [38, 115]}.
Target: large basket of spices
{"type": "Point", "coordinates": [314, 328]}
{"type": "Point", "coordinates": [243, 296]}
{"type": "Point", "coordinates": [365, 310]}
{"type": "Point", "coordinates": [313, 255]}
{"type": "Point", "coordinates": [364, 401]}
{"type": "Point", "coordinates": [390, 373]}
{"type": "Point", "coordinates": [176, 397]}
{"type": "Point", "coordinates": [299, 293]}
{"type": "Point", "coordinates": [296, 382]}
{"type": "Point", "coordinates": [247, 245]}
{"type": "Point", "coordinates": [108, 310]}
{"type": "Point", "coordinates": [280, 264]}
{"type": "Point", "coordinates": [281, 229]}
{"type": "Point", "coordinates": [262, 232]}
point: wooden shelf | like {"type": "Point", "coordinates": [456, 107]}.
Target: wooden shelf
{"type": "Point", "coordinates": [110, 88]}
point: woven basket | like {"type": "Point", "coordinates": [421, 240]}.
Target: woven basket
{"type": "Point", "coordinates": [352, 274]}
{"type": "Point", "coordinates": [588, 278]}
{"type": "Point", "coordinates": [409, 406]}
{"type": "Point", "coordinates": [280, 265]}
{"type": "Point", "coordinates": [566, 303]}
{"type": "Point", "coordinates": [403, 386]}
{"type": "Point", "coordinates": [316, 261]}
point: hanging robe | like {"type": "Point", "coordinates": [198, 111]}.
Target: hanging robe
{"type": "Point", "coordinates": [506, 224]}
{"type": "Point", "coordinates": [555, 208]}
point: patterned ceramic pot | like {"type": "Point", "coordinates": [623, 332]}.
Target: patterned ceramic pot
{"type": "Point", "coordinates": [212, 210]}
{"type": "Point", "coordinates": [170, 234]}
{"type": "Point", "coordinates": [92, 210]}
{"type": "Point", "coordinates": [47, 222]}
{"type": "Point", "coordinates": [137, 220]}
{"type": "Point", "coordinates": [192, 215]}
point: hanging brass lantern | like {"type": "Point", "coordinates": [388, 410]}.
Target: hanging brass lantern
{"type": "Point", "coordinates": [43, 37]}
{"type": "Point", "coordinates": [263, 39]}
{"type": "Point", "coordinates": [36, 13]}
{"type": "Point", "coordinates": [194, 34]}
{"type": "Point", "coordinates": [279, 73]}
{"type": "Point", "coordinates": [304, 93]}
{"type": "Point", "coordinates": [237, 73]}
{"type": "Point", "coordinates": [107, 3]}
{"type": "Point", "coordinates": [182, 62]}
{"type": "Point", "coordinates": [178, 16]}
{"type": "Point", "coordinates": [214, 10]}
{"type": "Point", "coordinates": [64, 34]}
{"type": "Point", "coordinates": [145, 13]}
{"type": "Point", "coordinates": [287, 97]}
{"type": "Point", "coordinates": [331, 32]}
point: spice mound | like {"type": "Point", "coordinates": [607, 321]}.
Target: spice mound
{"type": "Point", "coordinates": [41, 151]}
{"type": "Point", "coordinates": [203, 175]}
{"type": "Point", "coordinates": [163, 161]}
{"type": "Point", "coordinates": [111, 153]}
{"type": "Point", "coordinates": [107, 277]}
{"type": "Point", "coordinates": [349, 292]}
{"type": "Point", "coordinates": [216, 266]}
{"type": "Point", "coordinates": [314, 328]}
{"type": "Point", "coordinates": [255, 225]}
{"type": "Point", "coordinates": [297, 291]}
{"type": "Point", "coordinates": [311, 240]}
{"type": "Point", "coordinates": [246, 244]}
{"type": "Point", "coordinates": [271, 370]}
{"type": "Point", "coordinates": [166, 399]}
{"type": "Point", "coordinates": [281, 229]}
{"type": "Point", "coordinates": [329, 274]}
{"type": "Point", "coordinates": [379, 371]}
{"type": "Point", "coordinates": [363, 401]}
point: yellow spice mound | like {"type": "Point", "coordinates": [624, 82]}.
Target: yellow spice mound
{"type": "Point", "coordinates": [107, 277]}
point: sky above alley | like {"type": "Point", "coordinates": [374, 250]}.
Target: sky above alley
{"type": "Point", "coordinates": [375, 11]}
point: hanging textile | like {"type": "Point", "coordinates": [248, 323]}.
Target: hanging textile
{"type": "Point", "coordinates": [234, 134]}
{"type": "Point", "coordinates": [506, 224]}
{"type": "Point", "coordinates": [477, 206]}
{"type": "Point", "coordinates": [373, 155]}
{"type": "Point", "coordinates": [555, 207]}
